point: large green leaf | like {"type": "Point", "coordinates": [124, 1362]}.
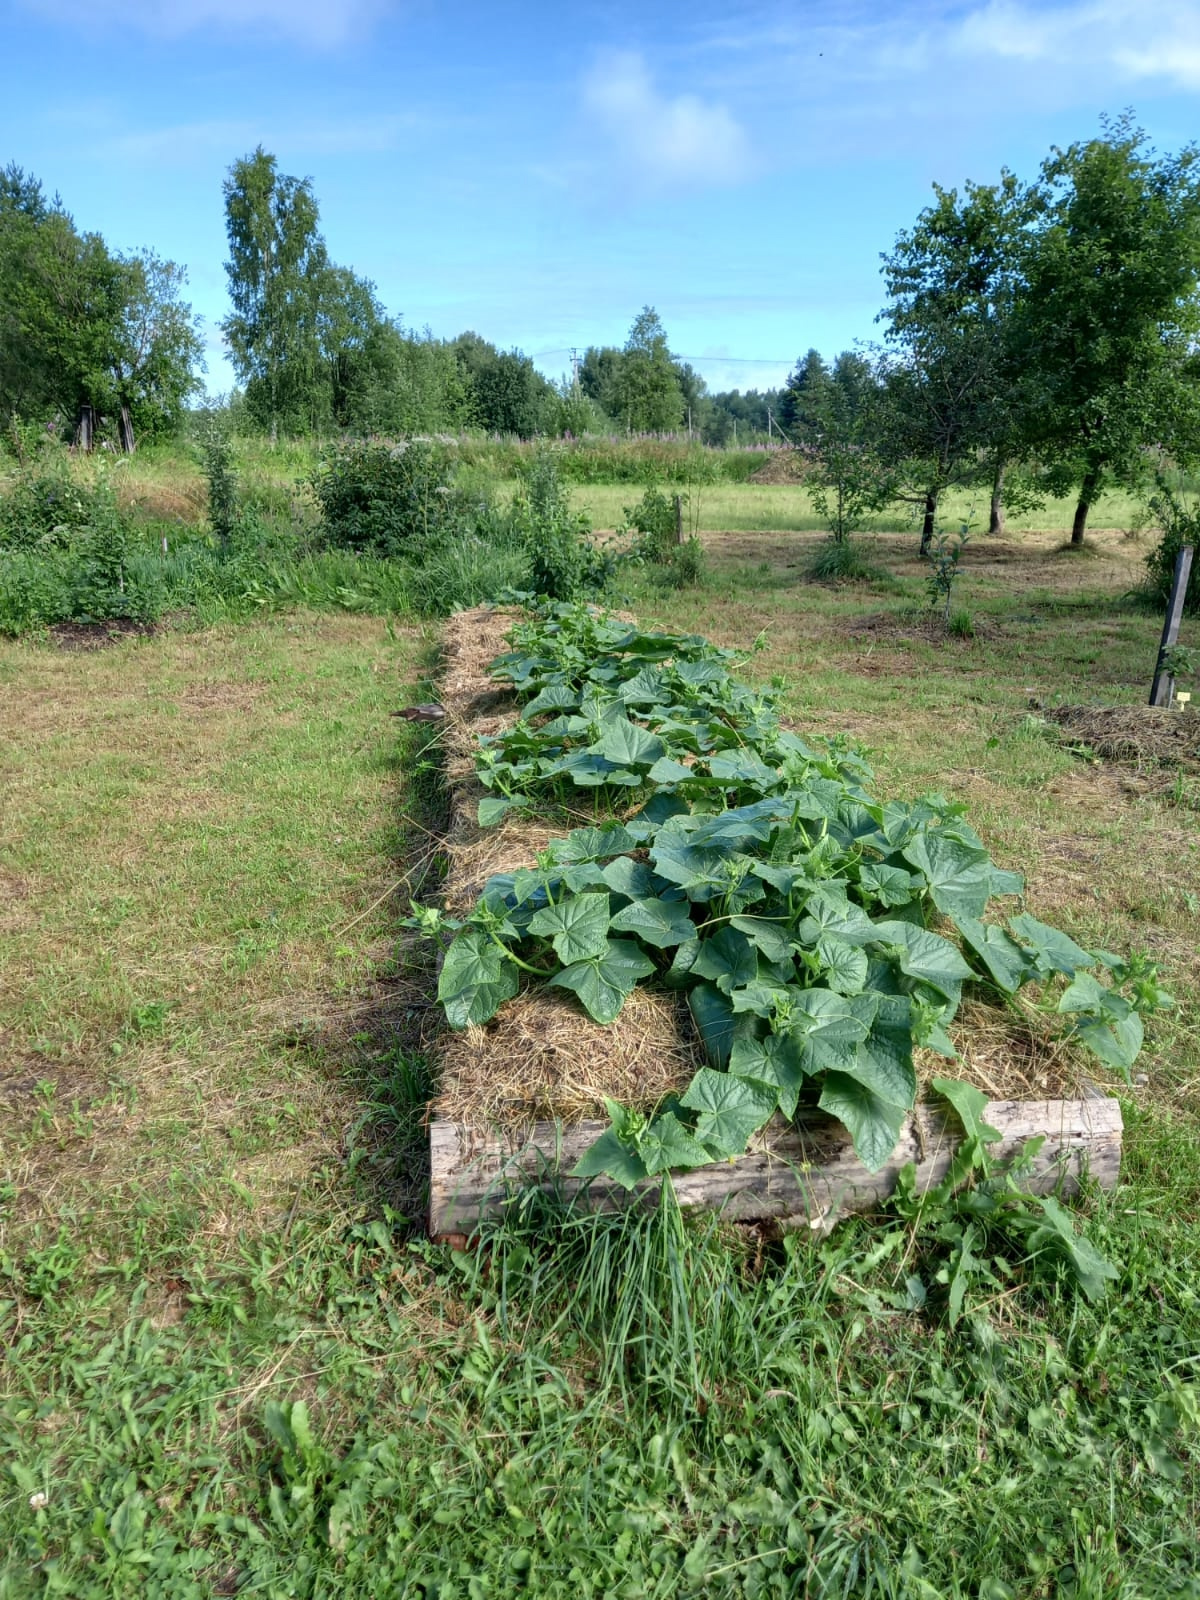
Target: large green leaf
{"type": "Point", "coordinates": [630, 745]}
{"type": "Point", "coordinates": [666, 1143]}
{"type": "Point", "coordinates": [554, 697]}
{"type": "Point", "coordinates": [1054, 950]}
{"type": "Point", "coordinates": [843, 965]}
{"type": "Point", "coordinates": [727, 959]}
{"type": "Point", "coordinates": [594, 844]}
{"type": "Point", "coordinates": [891, 886]}
{"type": "Point", "coordinates": [873, 1122]}
{"type": "Point", "coordinates": [476, 978]}
{"type": "Point", "coordinates": [970, 1104]}
{"type": "Point", "coordinates": [610, 1157]}
{"type": "Point", "coordinates": [493, 808]}
{"type": "Point", "coordinates": [662, 923]}
{"type": "Point", "coordinates": [924, 955]}
{"type": "Point", "coordinates": [884, 1060]}
{"type": "Point", "coordinates": [1115, 1040]}
{"type": "Point", "coordinates": [730, 1109]}
{"type": "Point", "coordinates": [827, 910]}
{"type": "Point", "coordinates": [714, 1019]}
{"type": "Point", "coordinates": [1057, 1234]}
{"type": "Point", "coordinates": [633, 879]}
{"type": "Point", "coordinates": [772, 938]}
{"type": "Point", "coordinates": [645, 688]}
{"type": "Point", "coordinates": [959, 874]}
{"type": "Point", "coordinates": [778, 1060]}
{"type": "Point", "coordinates": [577, 926]}
{"type": "Point", "coordinates": [603, 983]}
{"type": "Point", "coordinates": [828, 1028]}
{"type": "Point", "coordinates": [1006, 960]}
{"type": "Point", "coordinates": [667, 770]}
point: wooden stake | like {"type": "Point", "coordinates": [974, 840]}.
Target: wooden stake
{"type": "Point", "coordinates": [1163, 686]}
{"type": "Point", "coordinates": [678, 519]}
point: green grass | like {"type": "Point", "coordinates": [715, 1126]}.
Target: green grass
{"type": "Point", "coordinates": [232, 1368]}
{"type": "Point", "coordinates": [758, 507]}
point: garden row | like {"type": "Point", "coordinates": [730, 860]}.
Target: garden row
{"type": "Point", "coordinates": [819, 934]}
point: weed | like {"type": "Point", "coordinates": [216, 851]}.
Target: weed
{"type": "Point", "coordinates": [842, 561]}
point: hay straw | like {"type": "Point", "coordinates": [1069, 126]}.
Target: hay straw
{"type": "Point", "coordinates": [541, 1056]}
{"type": "Point", "coordinates": [1132, 733]}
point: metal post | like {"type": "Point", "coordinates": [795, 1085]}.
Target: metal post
{"type": "Point", "coordinates": [1163, 686]}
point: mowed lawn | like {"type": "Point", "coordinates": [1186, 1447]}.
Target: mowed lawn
{"type": "Point", "coordinates": [232, 1366]}
{"type": "Point", "coordinates": [786, 507]}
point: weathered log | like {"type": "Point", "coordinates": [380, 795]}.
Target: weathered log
{"type": "Point", "coordinates": [803, 1175]}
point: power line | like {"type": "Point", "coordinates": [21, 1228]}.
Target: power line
{"type": "Point", "coordinates": [743, 361]}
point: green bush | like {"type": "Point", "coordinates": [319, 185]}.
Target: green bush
{"type": "Point", "coordinates": [563, 562]}
{"type": "Point", "coordinates": [1179, 523]}
{"type": "Point", "coordinates": [653, 522]}
{"type": "Point", "coordinates": [43, 506]}
{"type": "Point", "coordinates": [387, 499]}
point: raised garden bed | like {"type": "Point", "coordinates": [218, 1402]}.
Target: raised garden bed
{"type": "Point", "coordinates": [521, 1096]}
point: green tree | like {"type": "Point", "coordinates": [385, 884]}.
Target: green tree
{"type": "Point", "coordinates": [646, 396]}
{"type": "Point", "coordinates": [955, 284]}
{"type": "Point", "coordinates": [849, 478]}
{"type": "Point", "coordinates": [599, 376]}
{"type": "Point", "coordinates": [796, 413]}
{"type": "Point", "coordinates": [1110, 315]}
{"type": "Point", "coordinates": [82, 327]}
{"type": "Point", "coordinates": [157, 347]}
{"type": "Point", "coordinates": [277, 271]}
{"type": "Point", "coordinates": [507, 392]}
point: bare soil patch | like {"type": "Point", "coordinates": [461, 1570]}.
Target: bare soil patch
{"type": "Point", "coordinates": [79, 636]}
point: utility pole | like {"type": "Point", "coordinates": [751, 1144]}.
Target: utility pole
{"type": "Point", "coordinates": [575, 368]}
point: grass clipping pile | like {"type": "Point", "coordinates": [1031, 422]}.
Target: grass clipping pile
{"type": "Point", "coordinates": [1140, 735]}
{"type": "Point", "coordinates": [541, 1057]}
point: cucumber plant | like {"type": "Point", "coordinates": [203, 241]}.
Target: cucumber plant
{"type": "Point", "coordinates": [819, 933]}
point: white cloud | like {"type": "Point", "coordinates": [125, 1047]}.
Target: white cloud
{"type": "Point", "coordinates": [661, 140]}
{"type": "Point", "coordinates": [1153, 39]}
{"type": "Point", "coordinates": [319, 24]}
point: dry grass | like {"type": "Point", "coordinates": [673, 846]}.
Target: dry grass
{"type": "Point", "coordinates": [542, 1056]}
{"type": "Point", "coordinates": [1141, 735]}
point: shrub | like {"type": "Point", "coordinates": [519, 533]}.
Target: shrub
{"type": "Point", "coordinates": [842, 561]}
{"type": "Point", "coordinates": [653, 521]}
{"type": "Point", "coordinates": [387, 499]}
{"type": "Point", "coordinates": [563, 562]}
{"type": "Point", "coordinates": [216, 450]}
{"type": "Point", "coordinates": [1179, 523]}
{"type": "Point", "coordinates": [44, 506]}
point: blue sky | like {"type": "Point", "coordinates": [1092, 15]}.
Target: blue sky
{"type": "Point", "coordinates": [538, 172]}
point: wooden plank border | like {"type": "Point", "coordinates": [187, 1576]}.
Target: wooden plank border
{"type": "Point", "coordinates": [799, 1175]}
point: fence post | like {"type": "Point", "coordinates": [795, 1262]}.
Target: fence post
{"type": "Point", "coordinates": [1163, 686]}
{"type": "Point", "coordinates": [678, 519]}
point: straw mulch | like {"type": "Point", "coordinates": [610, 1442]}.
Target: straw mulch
{"type": "Point", "coordinates": [1141, 735]}
{"type": "Point", "coordinates": [541, 1056]}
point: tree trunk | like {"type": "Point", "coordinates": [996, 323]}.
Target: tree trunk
{"type": "Point", "coordinates": [1087, 493]}
{"type": "Point", "coordinates": [125, 431]}
{"type": "Point", "coordinates": [996, 516]}
{"type": "Point", "coordinates": [931, 500]}
{"type": "Point", "coordinates": [85, 429]}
